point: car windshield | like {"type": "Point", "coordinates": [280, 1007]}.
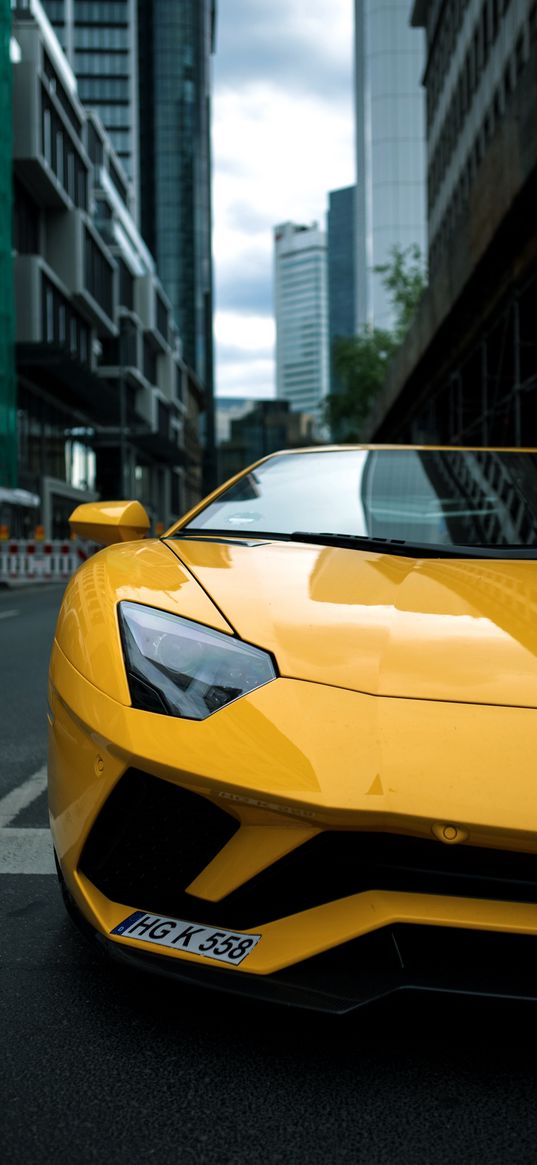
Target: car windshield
{"type": "Point", "coordinates": [438, 498]}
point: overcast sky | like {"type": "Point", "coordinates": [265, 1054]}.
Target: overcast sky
{"type": "Point", "coordinates": [283, 136]}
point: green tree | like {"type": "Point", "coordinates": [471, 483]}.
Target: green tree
{"type": "Point", "coordinates": [361, 362]}
{"type": "Point", "coordinates": [405, 281]}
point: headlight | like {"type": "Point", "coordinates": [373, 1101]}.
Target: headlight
{"type": "Point", "coordinates": [180, 668]}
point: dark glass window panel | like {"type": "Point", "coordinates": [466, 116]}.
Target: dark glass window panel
{"type": "Point", "coordinates": [98, 274]}
{"type": "Point", "coordinates": [25, 221]}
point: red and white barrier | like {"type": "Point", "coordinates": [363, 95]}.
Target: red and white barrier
{"type": "Point", "coordinates": [22, 561]}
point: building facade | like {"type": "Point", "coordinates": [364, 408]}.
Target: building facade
{"type": "Point", "coordinates": [255, 428]}
{"type": "Point", "coordinates": [8, 438]}
{"type": "Point", "coordinates": [101, 44]}
{"type": "Point", "coordinates": [176, 42]}
{"type": "Point", "coordinates": [106, 403]}
{"type": "Point", "coordinates": [144, 66]}
{"type": "Point", "coordinates": [468, 370]}
{"type": "Point", "coordinates": [301, 311]}
{"type": "Point", "coordinates": [341, 255]}
{"type": "Point", "coordinates": [390, 147]}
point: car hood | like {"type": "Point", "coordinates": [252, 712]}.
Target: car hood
{"type": "Point", "coordinates": [435, 629]}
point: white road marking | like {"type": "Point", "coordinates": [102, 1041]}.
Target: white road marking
{"type": "Point", "coordinates": [26, 851]}
{"type": "Point", "coordinates": [19, 798]}
{"type": "Point", "coordinates": [8, 614]}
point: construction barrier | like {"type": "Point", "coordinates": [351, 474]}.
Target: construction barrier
{"type": "Point", "coordinates": [22, 561]}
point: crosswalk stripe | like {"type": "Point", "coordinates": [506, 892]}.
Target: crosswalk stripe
{"type": "Point", "coordinates": [18, 799]}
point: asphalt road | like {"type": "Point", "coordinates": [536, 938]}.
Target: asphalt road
{"type": "Point", "coordinates": [97, 1065]}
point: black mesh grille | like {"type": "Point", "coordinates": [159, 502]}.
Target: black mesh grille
{"type": "Point", "coordinates": [153, 838]}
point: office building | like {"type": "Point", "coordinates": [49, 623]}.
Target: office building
{"type": "Point", "coordinates": [8, 437]}
{"type": "Point", "coordinates": [301, 310]}
{"type": "Point", "coordinates": [390, 147]}
{"type": "Point", "coordinates": [341, 253]}
{"type": "Point", "coordinates": [255, 428]}
{"type": "Point", "coordinates": [468, 371]}
{"type": "Point", "coordinates": [100, 42]}
{"type": "Point", "coordinates": [106, 403]}
{"type": "Point", "coordinates": [176, 42]}
{"type": "Point", "coordinates": [145, 67]}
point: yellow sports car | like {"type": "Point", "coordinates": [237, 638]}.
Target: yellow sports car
{"type": "Point", "coordinates": [292, 741]}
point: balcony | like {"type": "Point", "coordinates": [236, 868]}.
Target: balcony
{"type": "Point", "coordinates": [48, 153]}
{"type": "Point", "coordinates": [161, 439]}
{"type": "Point", "coordinates": [76, 252]}
{"type": "Point", "coordinates": [153, 311]}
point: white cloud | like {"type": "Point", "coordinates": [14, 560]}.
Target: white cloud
{"type": "Point", "coordinates": [282, 138]}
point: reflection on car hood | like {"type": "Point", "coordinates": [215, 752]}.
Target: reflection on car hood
{"type": "Point", "coordinates": [459, 629]}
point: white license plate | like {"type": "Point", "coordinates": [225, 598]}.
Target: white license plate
{"type": "Point", "coordinates": [178, 935]}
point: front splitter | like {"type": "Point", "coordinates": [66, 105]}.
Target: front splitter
{"type": "Point", "coordinates": [363, 971]}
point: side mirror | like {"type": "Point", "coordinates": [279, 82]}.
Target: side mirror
{"type": "Point", "coordinates": [109, 522]}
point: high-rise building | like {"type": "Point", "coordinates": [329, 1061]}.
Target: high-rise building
{"type": "Point", "coordinates": [176, 42]}
{"type": "Point", "coordinates": [8, 446]}
{"type": "Point", "coordinates": [467, 373]}
{"type": "Point", "coordinates": [145, 67]}
{"type": "Point", "coordinates": [100, 43]}
{"type": "Point", "coordinates": [301, 310]}
{"type": "Point", "coordinates": [105, 401]}
{"type": "Point", "coordinates": [390, 147]}
{"type": "Point", "coordinates": [341, 269]}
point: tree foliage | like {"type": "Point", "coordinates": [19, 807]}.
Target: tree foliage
{"type": "Point", "coordinates": [361, 362]}
{"type": "Point", "coordinates": [405, 281]}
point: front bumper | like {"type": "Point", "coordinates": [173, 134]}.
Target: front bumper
{"type": "Point", "coordinates": [358, 941]}
{"type": "Point", "coordinates": [366, 970]}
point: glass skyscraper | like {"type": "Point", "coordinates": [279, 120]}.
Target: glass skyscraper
{"type": "Point", "coordinates": [8, 437]}
{"type": "Point", "coordinates": [341, 268]}
{"type": "Point", "coordinates": [390, 146]}
{"type": "Point", "coordinates": [301, 308]}
{"type": "Point", "coordinates": [176, 41]}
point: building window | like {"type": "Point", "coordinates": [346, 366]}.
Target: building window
{"type": "Point", "coordinates": [60, 170]}
{"type": "Point", "coordinates": [163, 420]}
{"type": "Point", "coordinates": [126, 286]}
{"type": "Point", "coordinates": [61, 324]}
{"type": "Point", "coordinates": [59, 152]}
{"type": "Point", "coordinates": [56, 87]}
{"type": "Point", "coordinates": [95, 146]}
{"type": "Point", "coordinates": [81, 185]}
{"type": "Point", "coordinates": [150, 362]}
{"type": "Point", "coordinates": [49, 314]}
{"type": "Point", "coordinates": [162, 317]}
{"type": "Point", "coordinates": [25, 221]}
{"type": "Point", "coordinates": [47, 135]}
{"type": "Point", "coordinates": [98, 274]}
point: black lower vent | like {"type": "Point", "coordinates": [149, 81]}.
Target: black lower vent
{"type": "Point", "coordinates": [152, 838]}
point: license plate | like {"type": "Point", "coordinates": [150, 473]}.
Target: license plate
{"type": "Point", "coordinates": [178, 935]}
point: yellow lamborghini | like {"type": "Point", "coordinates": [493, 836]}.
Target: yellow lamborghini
{"type": "Point", "coordinates": [293, 741]}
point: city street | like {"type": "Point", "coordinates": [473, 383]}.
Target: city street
{"type": "Point", "coordinates": [99, 1065]}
